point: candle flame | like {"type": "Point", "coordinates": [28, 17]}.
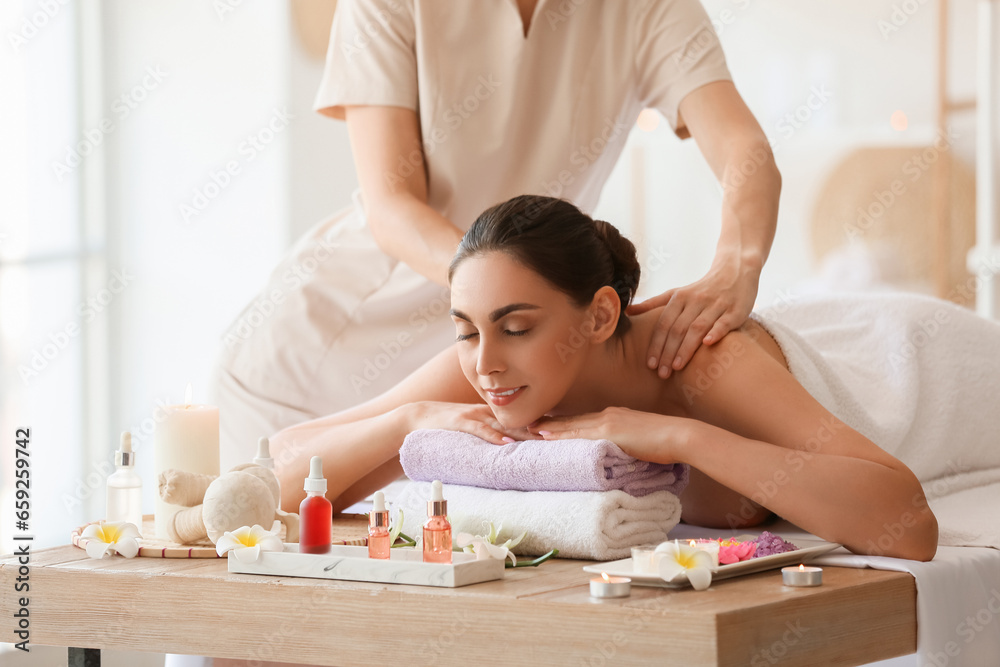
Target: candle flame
{"type": "Point", "coordinates": [607, 579]}
{"type": "Point", "coordinates": [802, 568]}
{"type": "Point", "coordinates": [187, 395]}
{"type": "Point", "coordinates": [691, 542]}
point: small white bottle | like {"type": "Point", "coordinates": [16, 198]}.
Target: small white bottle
{"type": "Point", "coordinates": [264, 459]}
{"type": "Point", "coordinates": [125, 487]}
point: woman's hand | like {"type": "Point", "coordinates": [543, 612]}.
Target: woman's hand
{"type": "Point", "coordinates": [474, 418]}
{"type": "Point", "coordinates": [702, 312]}
{"type": "Point", "coordinates": [644, 435]}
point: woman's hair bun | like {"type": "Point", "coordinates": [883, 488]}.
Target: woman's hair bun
{"type": "Point", "coordinates": [623, 259]}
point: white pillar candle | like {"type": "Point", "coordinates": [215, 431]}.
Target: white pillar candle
{"type": "Point", "coordinates": [187, 439]}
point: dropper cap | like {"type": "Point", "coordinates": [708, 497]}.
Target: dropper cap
{"type": "Point", "coordinates": [437, 505]}
{"type": "Point", "coordinates": [263, 457]}
{"type": "Point", "coordinates": [315, 482]}
{"type": "Point", "coordinates": [124, 456]}
{"type": "Point", "coordinates": [379, 517]}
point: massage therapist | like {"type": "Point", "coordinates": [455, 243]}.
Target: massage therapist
{"type": "Point", "coordinates": [452, 107]}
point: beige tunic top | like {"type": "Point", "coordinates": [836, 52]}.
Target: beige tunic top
{"type": "Point", "coordinates": [501, 114]}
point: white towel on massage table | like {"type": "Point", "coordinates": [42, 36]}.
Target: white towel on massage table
{"type": "Point", "coordinates": [594, 525]}
{"type": "Point", "coordinates": [918, 376]}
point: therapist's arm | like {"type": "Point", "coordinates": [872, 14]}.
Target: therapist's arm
{"type": "Point", "coordinates": [739, 154]}
{"type": "Point", "coordinates": [389, 158]}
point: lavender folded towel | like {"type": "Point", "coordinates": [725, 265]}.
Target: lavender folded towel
{"type": "Point", "coordinates": [455, 457]}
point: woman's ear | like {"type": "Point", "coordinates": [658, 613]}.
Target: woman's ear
{"type": "Point", "coordinates": [604, 309]}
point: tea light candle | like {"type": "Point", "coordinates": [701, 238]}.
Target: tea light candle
{"type": "Point", "coordinates": [610, 587]}
{"type": "Point", "coordinates": [644, 560]}
{"type": "Point", "coordinates": [709, 546]}
{"type": "Point", "coordinates": [802, 576]}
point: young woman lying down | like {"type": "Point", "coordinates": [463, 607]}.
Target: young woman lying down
{"type": "Point", "coordinates": [544, 349]}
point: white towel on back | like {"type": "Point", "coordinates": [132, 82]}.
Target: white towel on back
{"type": "Point", "coordinates": [918, 376]}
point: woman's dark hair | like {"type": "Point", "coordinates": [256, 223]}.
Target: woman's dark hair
{"type": "Point", "coordinates": [552, 237]}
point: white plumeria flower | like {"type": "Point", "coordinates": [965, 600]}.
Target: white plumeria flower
{"type": "Point", "coordinates": [482, 548]}
{"type": "Point", "coordinates": [678, 558]}
{"type": "Point", "coordinates": [247, 543]}
{"type": "Point", "coordinates": [120, 537]}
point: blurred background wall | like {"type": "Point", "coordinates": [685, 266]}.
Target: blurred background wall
{"type": "Point", "coordinates": [156, 160]}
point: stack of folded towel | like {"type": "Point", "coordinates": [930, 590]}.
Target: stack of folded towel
{"type": "Point", "coordinates": [586, 498]}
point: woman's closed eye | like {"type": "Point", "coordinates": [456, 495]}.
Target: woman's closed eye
{"type": "Point", "coordinates": [506, 332]}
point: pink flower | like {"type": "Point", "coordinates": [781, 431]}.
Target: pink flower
{"type": "Point", "coordinates": [731, 551]}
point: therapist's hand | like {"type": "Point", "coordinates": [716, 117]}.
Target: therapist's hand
{"type": "Point", "coordinates": [700, 313]}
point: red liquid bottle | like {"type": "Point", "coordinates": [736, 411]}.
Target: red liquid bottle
{"type": "Point", "coordinates": [315, 512]}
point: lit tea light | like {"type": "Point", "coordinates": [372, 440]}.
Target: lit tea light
{"type": "Point", "coordinates": [802, 576]}
{"type": "Point", "coordinates": [610, 587]}
{"type": "Point", "coordinates": [709, 546]}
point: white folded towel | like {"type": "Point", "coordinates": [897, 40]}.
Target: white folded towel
{"type": "Point", "coordinates": [918, 376]}
{"type": "Point", "coordinates": [593, 525]}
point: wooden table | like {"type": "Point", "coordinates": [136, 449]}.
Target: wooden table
{"type": "Point", "coordinates": [538, 616]}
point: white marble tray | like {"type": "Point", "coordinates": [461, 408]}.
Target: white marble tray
{"type": "Point", "coordinates": [348, 563]}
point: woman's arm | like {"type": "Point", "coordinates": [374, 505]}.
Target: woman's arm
{"type": "Point", "coordinates": [389, 158]}
{"type": "Point", "coordinates": [761, 434]}
{"type": "Point", "coordinates": [360, 445]}
{"type": "Point", "coordinates": [739, 154]}
{"type": "Point", "coordinates": [750, 427]}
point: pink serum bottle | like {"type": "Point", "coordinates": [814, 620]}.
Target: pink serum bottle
{"type": "Point", "coordinates": [378, 529]}
{"type": "Point", "coordinates": [315, 512]}
{"type": "Point", "coordinates": [437, 530]}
